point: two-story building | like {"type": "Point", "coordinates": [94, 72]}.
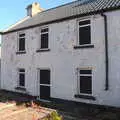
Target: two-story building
{"type": "Point", "coordinates": [71, 52]}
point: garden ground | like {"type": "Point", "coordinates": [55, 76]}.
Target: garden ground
{"type": "Point", "coordinates": [69, 110]}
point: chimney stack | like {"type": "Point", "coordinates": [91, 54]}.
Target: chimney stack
{"type": "Point", "coordinates": [33, 9]}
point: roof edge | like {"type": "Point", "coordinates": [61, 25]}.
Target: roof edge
{"type": "Point", "coordinates": [63, 19]}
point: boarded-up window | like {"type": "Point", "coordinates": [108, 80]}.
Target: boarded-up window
{"type": "Point", "coordinates": [21, 81]}
{"type": "Point", "coordinates": [44, 38]}
{"type": "Point", "coordinates": [44, 76]}
{"type": "Point", "coordinates": [21, 43]}
{"type": "Point", "coordinates": [44, 92]}
{"type": "Point", "coordinates": [86, 84]}
{"type": "Point", "coordinates": [45, 84]}
{"type": "Point", "coordinates": [84, 32]}
{"type": "Point", "coordinates": [85, 81]}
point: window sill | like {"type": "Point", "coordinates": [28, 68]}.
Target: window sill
{"type": "Point", "coordinates": [43, 50]}
{"type": "Point", "coordinates": [85, 97]}
{"type": "Point", "coordinates": [83, 46]}
{"type": "Point", "coordinates": [20, 88]}
{"type": "Point", "coordinates": [21, 52]}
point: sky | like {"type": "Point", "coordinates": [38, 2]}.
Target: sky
{"type": "Point", "coordinates": [13, 10]}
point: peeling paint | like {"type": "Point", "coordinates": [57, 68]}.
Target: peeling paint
{"type": "Point", "coordinates": [63, 60]}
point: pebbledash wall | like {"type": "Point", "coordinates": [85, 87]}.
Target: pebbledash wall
{"type": "Point", "coordinates": [63, 60]}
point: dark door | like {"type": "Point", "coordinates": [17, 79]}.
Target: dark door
{"type": "Point", "coordinates": [45, 84]}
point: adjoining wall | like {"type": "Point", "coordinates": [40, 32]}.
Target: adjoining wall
{"type": "Point", "coordinates": [63, 60]}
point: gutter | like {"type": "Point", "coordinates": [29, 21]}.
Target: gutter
{"type": "Point", "coordinates": [106, 52]}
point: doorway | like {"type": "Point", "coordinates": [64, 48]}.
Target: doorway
{"type": "Point", "coordinates": [44, 81]}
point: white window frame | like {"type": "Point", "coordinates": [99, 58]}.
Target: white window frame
{"type": "Point", "coordinates": [78, 80]}
{"type": "Point", "coordinates": [38, 77]}
{"type": "Point", "coordinates": [18, 41]}
{"type": "Point", "coordinates": [40, 37]}
{"type": "Point", "coordinates": [18, 81]}
{"type": "Point", "coordinates": [79, 26]}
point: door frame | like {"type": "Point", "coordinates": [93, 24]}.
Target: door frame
{"type": "Point", "coordinates": [38, 77]}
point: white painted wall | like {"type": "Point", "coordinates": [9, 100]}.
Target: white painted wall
{"type": "Point", "coordinates": [63, 60]}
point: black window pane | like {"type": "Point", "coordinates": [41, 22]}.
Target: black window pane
{"type": "Point", "coordinates": [44, 40]}
{"type": "Point", "coordinates": [21, 44]}
{"type": "Point", "coordinates": [21, 70]}
{"type": "Point", "coordinates": [84, 35]}
{"type": "Point", "coordinates": [22, 35]}
{"type": "Point", "coordinates": [85, 71]}
{"type": "Point", "coordinates": [44, 76]}
{"type": "Point", "coordinates": [44, 30]}
{"type": "Point", "coordinates": [45, 92]}
{"type": "Point", "coordinates": [86, 84]}
{"type": "Point", "coordinates": [84, 22]}
{"type": "Point", "coordinates": [21, 79]}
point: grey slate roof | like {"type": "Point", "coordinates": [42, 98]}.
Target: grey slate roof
{"type": "Point", "coordinates": [79, 7]}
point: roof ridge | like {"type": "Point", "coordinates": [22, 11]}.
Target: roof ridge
{"type": "Point", "coordinates": [59, 6]}
{"type": "Point", "coordinates": [70, 3]}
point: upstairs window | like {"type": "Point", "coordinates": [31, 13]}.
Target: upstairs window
{"type": "Point", "coordinates": [21, 42]}
{"type": "Point", "coordinates": [44, 38]}
{"type": "Point", "coordinates": [21, 82]}
{"type": "Point", "coordinates": [84, 33]}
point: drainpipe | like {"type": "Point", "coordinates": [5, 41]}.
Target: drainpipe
{"type": "Point", "coordinates": [106, 52]}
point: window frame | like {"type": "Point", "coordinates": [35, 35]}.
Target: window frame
{"type": "Point", "coordinates": [18, 47]}
{"type": "Point", "coordinates": [78, 36]}
{"type": "Point", "coordinates": [38, 79]}
{"type": "Point", "coordinates": [78, 81]}
{"type": "Point", "coordinates": [18, 81]}
{"type": "Point", "coordinates": [44, 27]}
{"type": "Point", "coordinates": [38, 72]}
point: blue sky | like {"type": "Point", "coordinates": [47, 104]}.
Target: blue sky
{"type": "Point", "coordinates": [13, 10]}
